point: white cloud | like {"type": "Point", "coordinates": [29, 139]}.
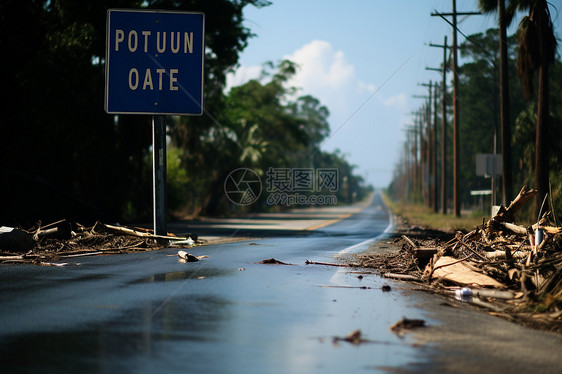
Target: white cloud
{"type": "Point", "coordinates": [242, 75]}
{"type": "Point", "coordinates": [326, 74]}
{"type": "Point", "coordinates": [399, 101]}
{"type": "Point", "coordinates": [323, 73]}
{"type": "Point", "coordinates": [369, 87]}
{"type": "Point", "coordinates": [363, 125]}
{"type": "Point", "coordinates": [321, 67]}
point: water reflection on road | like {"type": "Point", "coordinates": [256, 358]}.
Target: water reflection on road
{"type": "Point", "coordinates": [147, 312]}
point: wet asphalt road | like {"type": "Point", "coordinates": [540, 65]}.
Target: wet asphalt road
{"type": "Point", "coordinates": [147, 312]}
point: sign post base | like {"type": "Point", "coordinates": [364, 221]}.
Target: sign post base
{"type": "Point", "coordinates": [159, 173]}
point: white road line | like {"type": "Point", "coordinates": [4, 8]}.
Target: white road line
{"type": "Point", "coordinates": [365, 244]}
{"type": "Point", "coordinates": [340, 276]}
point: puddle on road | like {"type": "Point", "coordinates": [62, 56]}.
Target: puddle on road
{"type": "Point", "coordinates": [128, 342]}
{"type": "Point", "coordinates": [175, 276]}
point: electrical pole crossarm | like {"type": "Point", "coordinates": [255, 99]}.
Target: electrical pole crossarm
{"type": "Point", "coordinates": [456, 13]}
{"type": "Point", "coordinates": [440, 46]}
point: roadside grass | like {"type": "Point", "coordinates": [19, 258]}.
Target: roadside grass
{"type": "Point", "coordinates": [418, 214]}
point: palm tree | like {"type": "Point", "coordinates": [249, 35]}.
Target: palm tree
{"type": "Point", "coordinates": [489, 6]}
{"type": "Point", "coordinates": [537, 48]}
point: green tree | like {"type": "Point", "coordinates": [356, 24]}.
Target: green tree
{"type": "Point", "coordinates": [524, 141]}
{"type": "Point", "coordinates": [537, 49]}
{"type": "Point", "coordinates": [60, 154]}
{"type": "Point", "coordinates": [480, 124]}
{"type": "Point", "coordinates": [351, 187]}
{"type": "Point", "coordinates": [259, 129]}
{"type": "Point", "coordinates": [264, 126]}
{"type": "Point", "coordinates": [267, 105]}
{"type": "Point", "coordinates": [315, 115]}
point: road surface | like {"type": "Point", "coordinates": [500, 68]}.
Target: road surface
{"type": "Point", "coordinates": [149, 313]}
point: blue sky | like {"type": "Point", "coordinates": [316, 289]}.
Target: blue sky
{"type": "Point", "coordinates": [364, 60]}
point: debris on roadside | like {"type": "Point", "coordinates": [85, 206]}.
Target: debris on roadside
{"type": "Point", "coordinates": [402, 265]}
{"type": "Point", "coordinates": [188, 257]}
{"type": "Point", "coordinates": [183, 243]}
{"type": "Point", "coordinates": [405, 325]}
{"type": "Point", "coordinates": [15, 240]}
{"type": "Point", "coordinates": [47, 244]}
{"type": "Point", "coordinates": [344, 286]}
{"type": "Point", "coordinates": [307, 262]}
{"type": "Point", "coordinates": [511, 270]}
{"type": "Point", "coordinates": [354, 338]}
{"type": "Point", "coordinates": [272, 261]}
{"type": "Point", "coordinates": [461, 272]}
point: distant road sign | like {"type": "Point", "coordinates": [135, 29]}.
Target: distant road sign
{"type": "Point", "coordinates": [154, 62]}
{"type": "Point", "coordinates": [488, 165]}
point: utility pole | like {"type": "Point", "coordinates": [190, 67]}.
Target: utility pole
{"type": "Point", "coordinates": [456, 109]}
{"type": "Point", "coordinates": [419, 123]}
{"type": "Point", "coordinates": [443, 71]}
{"type": "Point", "coordinates": [507, 187]}
{"type": "Point", "coordinates": [419, 161]}
{"type": "Point", "coordinates": [431, 175]}
{"type": "Point", "coordinates": [429, 150]}
{"type": "Point", "coordinates": [420, 165]}
{"type": "Point", "coordinates": [456, 112]}
{"type": "Point", "coordinates": [408, 148]}
{"type": "Point", "coordinates": [432, 141]}
{"type": "Point", "coordinates": [406, 184]}
{"type": "Point", "coordinates": [415, 167]}
{"type": "Point", "coordinates": [434, 154]}
{"type": "Point", "coordinates": [411, 160]}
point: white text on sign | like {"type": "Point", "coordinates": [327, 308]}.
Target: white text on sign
{"type": "Point", "coordinates": [147, 82]}
{"type": "Point", "coordinates": [161, 39]}
{"type": "Point", "coordinates": [175, 41]}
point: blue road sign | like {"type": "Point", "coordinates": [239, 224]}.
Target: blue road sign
{"type": "Point", "coordinates": [154, 62]}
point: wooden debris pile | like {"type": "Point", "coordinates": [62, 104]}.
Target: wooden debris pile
{"type": "Point", "coordinates": [502, 254]}
{"type": "Point", "coordinates": [402, 265]}
{"type": "Point", "coordinates": [47, 245]}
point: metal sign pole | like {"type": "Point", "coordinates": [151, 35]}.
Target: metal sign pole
{"type": "Point", "coordinates": [159, 173]}
{"type": "Point", "coordinates": [144, 77]}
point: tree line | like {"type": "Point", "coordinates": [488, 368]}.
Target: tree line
{"type": "Point", "coordinates": [62, 156]}
{"type": "Point", "coordinates": [480, 126]}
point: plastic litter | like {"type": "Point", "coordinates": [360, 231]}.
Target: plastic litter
{"type": "Point", "coordinates": [464, 294]}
